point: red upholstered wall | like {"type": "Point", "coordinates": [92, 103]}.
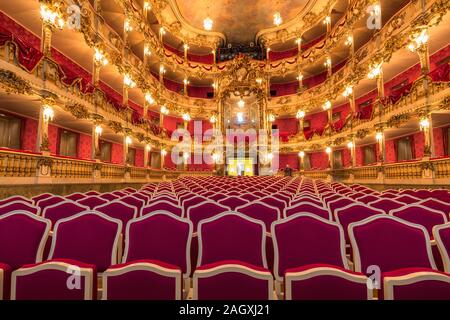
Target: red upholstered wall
{"type": "Point", "coordinates": [319, 160]}
{"type": "Point", "coordinates": [318, 120]}
{"type": "Point", "coordinates": [288, 158]}
{"type": "Point", "coordinates": [116, 153]}
{"type": "Point", "coordinates": [284, 89]}
{"type": "Point", "coordinates": [168, 163]}
{"type": "Point", "coordinates": [438, 56]}
{"type": "Point", "coordinates": [170, 123]}
{"type": "Point", "coordinates": [419, 141]}
{"type": "Point", "coordinates": [359, 156]}
{"type": "Point", "coordinates": [390, 151]}
{"type": "Point", "coordinates": [29, 134]}
{"type": "Point", "coordinates": [287, 125]}
{"type": "Point", "coordinates": [139, 158]}
{"type": "Point", "coordinates": [53, 138]}
{"type": "Point", "coordinates": [439, 150]}
{"type": "Point", "coordinates": [346, 159]}
{"type": "Point", "coordinates": [84, 146]}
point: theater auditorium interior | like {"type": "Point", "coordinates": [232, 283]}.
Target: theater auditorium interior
{"type": "Point", "coordinates": [225, 150]}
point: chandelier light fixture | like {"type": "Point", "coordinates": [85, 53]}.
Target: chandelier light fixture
{"type": "Point", "coordinates": [149, 98]}
{"type": "Point", "coordinates": [350, 145]}
{"type": "Point", "coordinates": [328, 150]}
{"type": "Point", "coordinates": [375, 71]}
{"type": "Point", "coordinates": [327, 105]}
{"type": "Point", "coordinates": [349, 41]}
{"type": "Point", "coordinates": [128, 81]}
{"type": "Point", "coordinates": [164, 110]}
{"type": "Point", "coordinates": [100, 57]}
{"type": "Point", "coordinates": [300, 114]}
{"type": "Point", "coordinates": [241, 103]}
{"type": "Point", "coordinates": [271, 117]}
{"type": "Point", "coordinates": [128, 140]}
{"type": "Point", "coordinates": [348, 91]}
{"type": "Point", "coordinates": [327, 20]}
{"type": "Point", "coordinates": [213, 119]}
{"type": "Point", "coordinates": [127, 25]}
{"type": "Point", "coordinates": [51, 16]}
{"type": "Point", "coordinates": [277, 20]}
{"type": "Point", "coordinates": [186, 117]}
{"type": "Point", "coordinates": [163, 152]}
{"type": "Point", "coordinates": [424, 124]}
{"type": "Point", "coordinates": [418, 40]}
{"type": "Point", "coordinates": [98, 130]}
{"type": "Point", "coordinates": [207, 22]}
{"type": "Point", "coordinates": [301, 154]}
{"type": "Point", "coordinates": [48, 113]}
{"type": "Point", "coordinates": [379, 136]}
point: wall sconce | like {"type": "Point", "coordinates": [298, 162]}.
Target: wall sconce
{"type": "Point", "coordinates": [128, 81]}
{"type": "Point", "coordinates": [185, 155]}
{"type": "Point", "coordinates": [48, 113]}
{"type": "Point", "coordinates": [259, 81]}
{"type": "Point", "coordinates": [348, 91]}
{"type": "Point", "coordinates": [375, 71]}
{"type": "Point", "coordinates": [149, 98]}
{"type": "Point", "coordinates": [164, 110]}
{"type": "Point", "coordinates": [301, 154]}
{"type": "Point", "coordinates": [213, 119]}
{"type": "Point", "coordinates": [350, 145]}
{"type": "Point", "coordinates": [186, 117]}
{"type": "Point", "coordinates": [147, 51]}
{"type": "Point", "coordinates": [327, 63]}
{"type": "Point", "coordinates": [98, 130]}
{"type": "Point", "coordinates": [418, 40]}
{"type": "Point", "coordinates": [100, 57]}
{"type": "Point", "coordinates": [328, 150]}
{"type": "Point", "coordinates": [300, 114]}
{"type": "Point", "coordinates": [147, 6]}
{"type": "Point", "coordinates": [327, 105]}
{"type": "Point", "coordinates": [327, 20]}
{"type": "Point", "coordinates": [163, 152]}
{"type": "Point", "coordinates": [127, 25]}
{"type": "Point", "coordinates": [128, 140]}
{"type": "Point", "coordinates": [379, 136]}
{"type": "Point", "coordinates": [162, 70]}
{"type": "Point", "coordinates": [424, 123]}
{"type": "Point", "coordinates": [270, 156]}
{"type": "Point", "coordinates": [349, 41]}
{"type": "Point", "coordinates": [51, 17]}
{"type": "Point", "coordinates": [162, 31]}
{"type": "Point", "coordinates": [271, 117]}
{"type": "Point", "coordinates": [300, 77]}
{"type": "Point", "coordinates": [186, 81]}
{"type": "Point", "coordinates": [148, 147]}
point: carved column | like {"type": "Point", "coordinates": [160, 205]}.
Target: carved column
{"type": "Point", "coordinates": [96, 133]}
{"type": "Point", "coordinates": [380, 137]}
{"type": "Point", "coordinates": [126, 142]}
{"type": "Point", "coordinates": [45, 116]}
{"type": "Point", "coordinates": [426, 126]}
{"type": "Point", "coordinates": [352, 146]}
{"type": "Point", "coordinates": [147, 150]}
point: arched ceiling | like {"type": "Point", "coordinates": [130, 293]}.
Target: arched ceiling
{"type": "Point", "coordinates": [240, 20]}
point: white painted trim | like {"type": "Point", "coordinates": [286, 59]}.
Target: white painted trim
{"type": "Point", "coordinates": [162, 201]}
{"type": "Point", "coordinates": [240, 215]}
{"type": "Point", "coordinates": [36, 202]}
{"type": "Point", "coordinates": [407, 196]}
{"type": "Point", "coordinates": [323, 271]}
{"type": "Point", "coordinates": [114, 253]}
{"type": "Point", "coordinates": [172, 216]}
{"type": "Point", "coordinates": [336, 200]}
{"type": "Point", "coordinates": [48, 198]}
{"type": "Point", "coordinates": [434, 200]}
{"type": "Point", "coordinates": [27, 204]}
{"type": "Point", "coordinates": [410, 206]}
{"type": "Point", "coordinates": [118, 201]}
{"type": "Point", "coordinates": [130, 195]}
{"type": "Point", "coordinates": [261, 203]}
{"type": "Point", "coordinates": [53, 265]}
{"type": "Point", "coordinates": [410, 278]}
{"type": "Point", "coordinates": [235, 268]}
{"type": "Point", "coordinates": [85, 208]}
{"type": "Point", "coordinates": [142, 266]}
{"type": "Point", "coordinates": [21, 198]}
{"type": "Point", "coordinates": [188, 215]}
{"type": "Point", "coordinates": [359, 204]}
{"type": "Point", "coordinates": [301, 215]}
{"type": "Point", "coordinates": [41, 247]}
{"type": "Point", "coordinates": [354, 243]}
{"type": "Point", "coordinates": [440, 244]}
{"type": "Point", "coordinates": [385, 199]}
{"type": "Point", "coordinates": [309, 204]}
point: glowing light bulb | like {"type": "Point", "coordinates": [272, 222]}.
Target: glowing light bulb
{"type": "Point", "coordinates": [98, 130]}
{"type": "Point", "coordinates": [277, 20]}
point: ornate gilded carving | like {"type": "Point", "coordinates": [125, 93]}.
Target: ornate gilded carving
{"type": "Point", "coordinates": [12, 83]}
{"type": "Point", "coordinates": [77, 110]}
{"type": "Point", "coordinates": [397, 120]}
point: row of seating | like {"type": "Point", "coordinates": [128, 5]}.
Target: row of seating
{"type": "Point", "coordinates": [331, 245]}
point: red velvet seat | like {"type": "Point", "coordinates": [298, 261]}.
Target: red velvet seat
{"type": "Point", "coordinates": [76, 196]}
{"type": "Point", "coordinates": [442, 236]}
{"type": "Point", "coordinates": [416, 284]}
{"type": "Point", "coordinates": [87, 237]}
{"type": "Point", "coordinates": [307, 207]}
{"type": "Point", "coordinates": [92, 201]}
{"type": "Point", "coordinates": [135, 202]}
{"type": "Point", "coordinates": [436, 205]}
{"type": "Point", "coordinates": [190, 202]}
{"type": "Point", "coordinates": [109, 196]}
{"type": "Point", "coordinates": [339, 203]}
{"type": "Point", "coordinates": [142, 280]}
{"type": "Point", "coordinates": [167, 198]}
{"type": "Point", "coordinates": [62, 210]}
{"type": "Point", "coordinates": [40, 197]}
{"type": "Point", "coordinates": [118, 210]}
{"type": "Point", "coordinates": [18, 205]}
{"type": "Point", "coordinates": [407, 199]}
{"type": "Point", "coordinates": [386, 204]}
{"type": "Point", "coordinates": [22, 238]}
{"type": "Point", "coordinates": [61, 279]}
{"type": "Point", "coordinates": [389, 243]}
{"type": "Point", "coordinates": [48, 201]}
{"type": "Point", "coordinates": [233, 202]}
{"type": "Point", "coordinates": [15, 199]}
{"type": "Point", "coordinates": [367, 198]}
{"type": "Point", "coordinates": [260, 211]}
{"type": "Point", "coordinates": [325, 282]}
{"type": "Point", "coordinates": [163, 205]}
{"type": "Point", "coordinates": [232, 280]}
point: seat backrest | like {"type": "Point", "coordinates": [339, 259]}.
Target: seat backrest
{"type": "Point", "coordinates": [162, 205]}
{"type": "Point", "coordinates": [204, 210]}
{"type": "Point", "coordinates": [260, 211]}
{"type": "Point", "coordinates": [48, 201]}
{"type": "Point", "coordinates": [304, 239]}
{"type": "Point", "coordinates": [442, 236]}
{"type": "Point", "coordinates": [89, 237]}
{"type": "Point", "coordinates": [368, 198]}
{"type": "Point", "coordinates": [307, 207]}
{"type": "Point", "coordinates": [353, 212]}
{"type": "Point", "coordinates": [436, 205]}
{"type": "Point", "coordinates": [133, 201]}
{"type": "Point", "coordinates": [18, 205]}
{"type": "Point", "coordinates": [76, 196]}
{"type": "Point", "coordinates": [274, 202]}
{"type": "Point", "coordinates": [386, 204]}
{"type": "Point", "coordinates": [23, 236]}
{"type": "Point", "coordinates": [233, 202]}
{"type": "Point", "coordinates": [389, 243]}
{"type": "Point", "coordinates": [159, 236]}
{"type": "Point", "coordinates": [420, 215]}
{"type": "Point", "coordinates": [15, 199]}
{"type": "Point", "coordinates": [339, 203]}
{"type": "Point", "coordinates": [40, 197]}
{"type": "Point", "coordinates": [63, 210]}
{"type": "Point", "coordinates": [166, 198]}
{"type": "Point", "coordinates": [231, 236]}
{"type": "Point", "coordinates": [407, 199]}
{"type": "Point", "coordinates": [109, 196]}
{"type": "Point", "coordinates": [118, 210]}
{"type": "Point", "coordinates": [92, 201]}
